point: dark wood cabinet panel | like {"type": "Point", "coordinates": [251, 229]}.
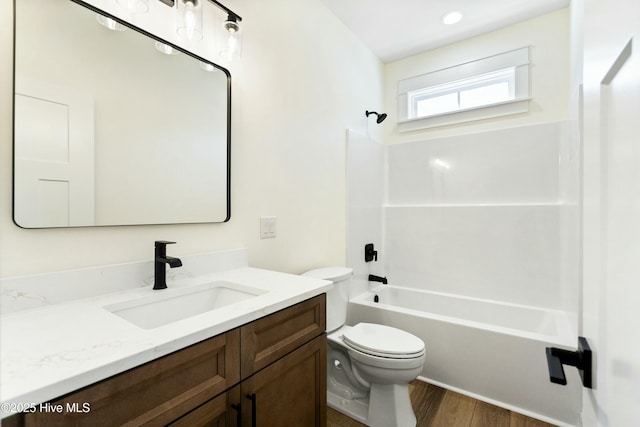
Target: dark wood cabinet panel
{"type": "Point", "coordinates": [16, 420]}
{"type": "Point", "coordinates": [155, 393]}
{"type": "Point", "coordinates": [268, 339]}
{"type": "Point", "coordinates": [291, 392]}
{"type": "Point", "coordinates": [221, 411]}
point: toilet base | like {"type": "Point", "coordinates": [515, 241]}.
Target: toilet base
{"type": "Point", "coordinates": [387, 405]}
{"type": "Point", "coordinates": [358, 409]}
{"type": "Point", "coordinates": [390, 405]}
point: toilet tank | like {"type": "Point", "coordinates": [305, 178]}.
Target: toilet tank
{"type": "Point", "coordinates": [338, 297]}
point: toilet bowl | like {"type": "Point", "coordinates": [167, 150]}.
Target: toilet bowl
{"type": "Point", "coordinates": [369, 366]}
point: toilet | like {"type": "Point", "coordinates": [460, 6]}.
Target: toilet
{"type": "Point", "coordinates": [369, 366]}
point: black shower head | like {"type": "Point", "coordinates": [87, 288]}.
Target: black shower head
{"type": "Point", "coordinates": [381, 116]}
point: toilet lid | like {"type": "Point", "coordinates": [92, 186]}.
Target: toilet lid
{"type": "Point", "coordinates": [384, 341]}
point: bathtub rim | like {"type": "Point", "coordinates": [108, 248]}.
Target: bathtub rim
{"type": "Point", "coordinates": [565, 337]}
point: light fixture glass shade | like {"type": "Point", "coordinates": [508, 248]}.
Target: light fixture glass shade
{"type": "Point", "coordinates": [165, 48]}
{"type": "Point", "coordinates": [109, 23]}
{"type": "Point", "coordinates": [207, 67]}
{"type": "Point", "coordinates": [232, 47]}
{"type": "Point", "coordinates": [189, 24]}
{"type": "Point", "coordinates": [134, 6]}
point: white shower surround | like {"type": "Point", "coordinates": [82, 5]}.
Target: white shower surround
{"type": "Point", "coordinates": [485, 215]}
{"type": "Point", "coordinates": [489, 217]}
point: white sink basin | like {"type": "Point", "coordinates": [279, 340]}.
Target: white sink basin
{"type": "Point", "coordinates": [170, 305]}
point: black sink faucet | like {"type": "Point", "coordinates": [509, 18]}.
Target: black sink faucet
{"type": "Point", "coordinates": [161, 258]}
{"type": "Point", "coordinates": [373, 278]}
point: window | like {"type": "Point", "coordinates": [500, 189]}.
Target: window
{"type": "Point", "coordinates": [488, 87]}
{"type": "Point", "coordinates": [485, 89]}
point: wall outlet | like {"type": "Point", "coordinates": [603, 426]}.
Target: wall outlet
{"type": "Point", "coordinates": [267, 227]}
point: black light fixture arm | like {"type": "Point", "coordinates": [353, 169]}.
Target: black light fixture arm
{"type": "Point", "coordinates": [232, 15]}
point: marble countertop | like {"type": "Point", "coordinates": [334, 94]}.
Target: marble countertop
{"type": "Point", "coordinates": [52, 350]}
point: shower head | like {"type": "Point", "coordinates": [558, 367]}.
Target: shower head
{"type": "Point", "coordinates": [381, 116]}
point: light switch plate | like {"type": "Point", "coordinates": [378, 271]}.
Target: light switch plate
{"type": "Point", "coordinates": [267, 227]}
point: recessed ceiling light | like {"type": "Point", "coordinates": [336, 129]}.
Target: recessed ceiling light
{"type": "Point", "coordinates": [451, 18]}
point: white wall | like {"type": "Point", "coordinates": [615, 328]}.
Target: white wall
{"type": "Point", "coordinates": [303, 79]}
{"type": "Point", "coordinates": [548, 36]}
{"type": "Point", "coordinates": [365, 199]}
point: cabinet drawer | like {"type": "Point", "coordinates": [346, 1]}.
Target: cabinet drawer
{"type": "Point", "coordinates": [270, 338]}
{"type": "Point", "coordinates": [155, 393]}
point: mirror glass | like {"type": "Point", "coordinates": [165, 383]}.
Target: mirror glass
{"type": "Point", "coordinates": [108, 130]}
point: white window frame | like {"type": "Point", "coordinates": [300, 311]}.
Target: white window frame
{"type": "Point", "coordinates": [512, 67]}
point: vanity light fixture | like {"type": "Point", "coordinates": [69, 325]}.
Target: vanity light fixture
{"type": "Point", "coordinates": [190, 19]}
{"type": "Point", "coordinates": [190, 24]}
{"type": "Point", "coordinates": [234, 38]}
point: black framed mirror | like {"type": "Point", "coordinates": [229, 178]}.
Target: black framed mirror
{"type": "Point", "coordinates": [114, 126]}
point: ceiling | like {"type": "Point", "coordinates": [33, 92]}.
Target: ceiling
{"type": "Point", "coordinates": [395, 29]}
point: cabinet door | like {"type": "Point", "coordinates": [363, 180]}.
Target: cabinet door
{"type": "Point", "coordinates": [270, 338]}
{"type": "Point", "coordinates": [155, 393]}
{"type": "Point", "coordinates": [16, 420]}
{"type": "Point", "coordinates": [290, 392]}
{"type": "Point", "coordinates": [221, 411]}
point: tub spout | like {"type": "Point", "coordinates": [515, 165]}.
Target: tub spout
{"type": "Point", "coordinates": [373, 278]}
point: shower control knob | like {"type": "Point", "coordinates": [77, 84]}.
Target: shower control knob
{"type": "Point", "coordinates": [369, 253]}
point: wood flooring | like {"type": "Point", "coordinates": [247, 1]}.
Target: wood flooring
{"type": "Point", "coordinates": [437, 407]}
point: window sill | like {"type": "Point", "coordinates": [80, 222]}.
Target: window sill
{"type": "Point", "coordinates": [514, 106]}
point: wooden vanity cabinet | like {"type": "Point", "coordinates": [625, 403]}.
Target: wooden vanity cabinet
{"type": "Point", "coordinates": [268, 339]}
{"type": "Point", "coordinates": [221, 411]}
{"type": "Point", "coordinates": [290, 392]}
{"type": "Point", "coordinates": [155, 393]}
{"type": "Point", "coordinates": [270, 372]}
{"type": "Point", "coordinates": [283, 371]}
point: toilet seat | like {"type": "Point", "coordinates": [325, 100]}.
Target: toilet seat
{"type": "Point", "coordinates": [383, 341]}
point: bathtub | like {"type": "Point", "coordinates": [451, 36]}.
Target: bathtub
{"type": "Point", "coordinates": [492, 351]}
